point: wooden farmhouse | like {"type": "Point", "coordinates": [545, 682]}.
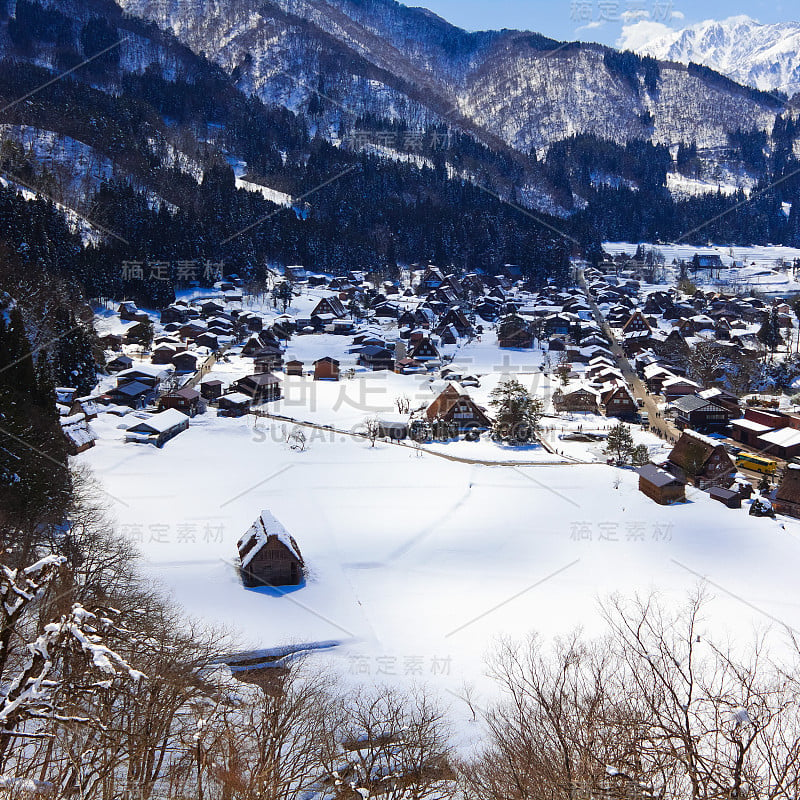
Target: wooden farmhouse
{"type": "Point", "coordinates": [293, 367]}
{"type": "Point", "coordinates": [787, 496]}
{"type": "Point", "coordinates": [133, 394]}
{"type": "Point", "coordinates": [576, 397]}
{"type": "Point", "coordinates": [375, 357]}
{"type": "Point", "coordinates": [268, 358]}
{"type": "Point", "coordinates": [660, 486]}
{"type": "Point", "coordinates": [455, 405]}
{"type": "Point", "coordinates": [329, 306]}
{"type": "Point", "coordinates": [326, 369]}
{"type": "Point", "coordinates": [84, 405]}
{"type": "Point", "coordinates": [165, 352]}
{"type": "Point", "coordinates": [119, 363]}
{"type": "Point", "coordinates": [424, 350]}
{"type": "Point", "coordinates": [619, 402]}
{"type": "Point", "coordinates": [260, 387]}
{"type": "Point", "coordinates": [692, 411]}
{"type": "Point", "coordinates": [675, 387]}
{"type": "Point", "coordinates": [701, 461]}
{"type": "Point", "coordinates": [233, 404]}
{"type": "Point", "coordinates": [636, 324]}
{"type": "Point", "coordinates": [514, 332]}
{"type": "Point", "coordinates": [211, 389]}
{"type": "Point", "coordinates": [186, 400]}
{"type": "Point", "coordinates": [78, 434]}
{"type": "Point", "coordinates": [728, 497]}
{"type": "Point", "coordinates": [269, 555]}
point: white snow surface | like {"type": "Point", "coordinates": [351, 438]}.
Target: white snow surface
{"type": "Point", "coordinates": [273, 195]}
{"type": "Point", "coordinates": [764, 56]}
{"type": "Point", "coordinates": [762, 268]}
{"type": "Point", "coordinates": [416, 563]}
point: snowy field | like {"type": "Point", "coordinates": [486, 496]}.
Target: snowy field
{"type": "Point", "coordinates": [418, 560]}
{"type": "Point", "coordinates": [417, 563]}
{"type": "Point", "coordinates": [749, 268]}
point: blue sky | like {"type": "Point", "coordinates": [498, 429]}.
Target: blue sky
{"type": "Point", "coordinates": [598, 20]}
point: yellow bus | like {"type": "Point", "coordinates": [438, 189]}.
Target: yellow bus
{"type": "Point", "coordinates": [756, 463]}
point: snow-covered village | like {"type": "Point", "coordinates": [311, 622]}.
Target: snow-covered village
{"type": "Point", "coordinates": [399, 403]}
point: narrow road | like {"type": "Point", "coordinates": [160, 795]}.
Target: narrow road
{"type": "Point", "coordinates": [658, 424]}
{"type": "Point", "coordinates": [446, 456]}
{"type": "Point", "coordinates": [206, 366]}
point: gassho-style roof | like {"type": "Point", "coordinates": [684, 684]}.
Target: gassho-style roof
{"type": "Point", "coordinates": [453, 394]}
{"type": "Point", "coordinates": [266, 527]}
{"type": "Point", "coordinates": [789, 489]}
{"type": "Point", "coordinates": [579, 388]}
{"type": "Point", "coordinates": [693, 450]}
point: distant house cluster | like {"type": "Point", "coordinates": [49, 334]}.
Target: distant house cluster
{"type": "Point", "coordinates": [75, 414]}
{"type": "Point", "coordinates": [660, 333]}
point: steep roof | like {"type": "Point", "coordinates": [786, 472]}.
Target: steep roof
{"type": "Point", "coordinates": [692, 452]}
{"type": "Point", "coordinates": [452, 394]}
{"type": "Point", "coordinates": [789, 489]}
{"type": "Point", "coordinates": [266, 527]}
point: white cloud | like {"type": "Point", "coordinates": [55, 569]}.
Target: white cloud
{"type": "Point", "coordinates": [638, 35]}
{"type": "Point", "coordinates": [591, 26]}
{"type": "Point", "coordinates": [636, 15]}
{"type": "Point", "coordinates": [678, 15]}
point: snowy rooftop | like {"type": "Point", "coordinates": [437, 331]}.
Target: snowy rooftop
{"type": "Point", "coordinates": [161, 422]}
{"type": "Point", "coordinates": [750, 425]}
{"type": "Point", "coordinates": [783, 437]}
{"type": "Point", "coordinates": [259, 533]}
{"type": "Point", "coordinates": [700, 438]}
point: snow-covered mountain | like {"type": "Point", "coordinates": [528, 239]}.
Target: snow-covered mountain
{"type": "Point", "coordinates": [509, 88]}
{"type": "Point", "coordinates": [764, 56]}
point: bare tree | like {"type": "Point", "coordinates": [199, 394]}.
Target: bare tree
{"type": "Point", "coordinates": [551, 735]}
{"type": "Point", "coordinates": [707, 362]}
{"type": "Point", "coordinates": [403, 404]}
{"type": "Point", "coordinates": [372, 429]}
{"type": "Point", "coordinates": [297, 439]}
{"type": "Point", "coordinates": [390, 744]}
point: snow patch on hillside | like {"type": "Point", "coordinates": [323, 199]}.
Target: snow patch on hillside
{"type": "Point", "coordinates": [272, 195]}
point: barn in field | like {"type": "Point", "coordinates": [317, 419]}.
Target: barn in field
{"type": "Point", "coordinates": [269, 555]}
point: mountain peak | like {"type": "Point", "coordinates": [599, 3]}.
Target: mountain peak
{"type": "Point", "coordinates": [766, 56]}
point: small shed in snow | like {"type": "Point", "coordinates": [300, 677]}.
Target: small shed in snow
{"type": "Point", "coordinates": [660, 486]}
{"type": "Point", "coordinates": [269, 555]}
{"type": "Point", "coordinates": [158, 428]}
